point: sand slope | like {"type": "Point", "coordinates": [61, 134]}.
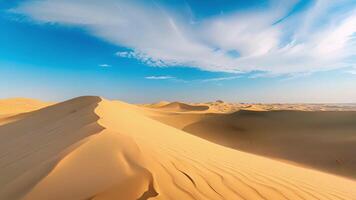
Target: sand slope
{"type": "Point", "coordinates": [90, 148]}
{"type": "Point", "coordinates": [20, 105]}
{"type": "Point", "coordinates": [323, 140]}
{"type": "Point", "coordinates": [16, 108]}
{"type": "Point", "coordinates": [31, 147]}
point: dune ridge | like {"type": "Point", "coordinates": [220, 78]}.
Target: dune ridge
{"type": "Point", "coordinates": [112, 150]}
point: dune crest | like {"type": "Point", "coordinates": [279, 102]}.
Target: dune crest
{"type": "Point", "coordinates": [100, 149]}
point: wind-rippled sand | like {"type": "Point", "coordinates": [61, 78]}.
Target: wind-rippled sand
{"type": "Point", "coordinates": [92, 148]}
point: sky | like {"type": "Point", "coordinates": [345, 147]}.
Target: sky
{"type": "Point", "coordinates": [258, 51]}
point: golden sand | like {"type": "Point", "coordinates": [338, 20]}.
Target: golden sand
{"type": "Point", "coordinates": [92, 148]}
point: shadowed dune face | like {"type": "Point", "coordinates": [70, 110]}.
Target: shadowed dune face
{"type": "Point", "coordinates": [31, 147]}
{"type": "Point", "coordinates": [91, 148]}
{"type": "Point", "coordinates": [324, 140]}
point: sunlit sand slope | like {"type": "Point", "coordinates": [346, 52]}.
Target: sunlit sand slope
{"type": "Point", "coordinates": [90, 148]}
{"type": "Point", "coordinates": [20, 105]}
{"type": "Point", "coordinates": [15, 108]}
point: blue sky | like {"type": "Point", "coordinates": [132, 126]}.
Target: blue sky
{"type": "Point", "coordinates": [192, 50]}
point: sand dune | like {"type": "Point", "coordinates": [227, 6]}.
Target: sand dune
{"type": "Point", "coordinates": [182, 107]}
{"type": "Point", "coordinates": [324, 140]}
{"type": "Point", "coordinates": [224, 107]}
{"type": "Point", "coordinates": [91, 148]}
{"type": "Point", "coordinates": [14, 108]}
{"type": "Point", "coordinates": [158, 104]}
{"type": "Point", "coordinates": [31, 147]}
{"type": "Point", "coordinates": [20, 105]}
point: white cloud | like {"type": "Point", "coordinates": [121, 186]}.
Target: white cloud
{"type": "Point", "coordinates": [193, 80]}
{"type": "Point", "coordinates": [142, 57]}
{"type": "Point", "coordinates": [159, 77]}
{"type": "Point", "coordinates": [314, 40]}
{"type": "Point", "coordinates": [104, 65]}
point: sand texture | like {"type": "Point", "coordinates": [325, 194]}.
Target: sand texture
{"type": "Point", "coordinates": [92, 148]}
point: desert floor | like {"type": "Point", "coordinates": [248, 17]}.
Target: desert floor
{"type": "Point", "coordinates": [92, 148]}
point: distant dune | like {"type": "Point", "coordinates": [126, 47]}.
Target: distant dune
{"type": "Point", "coordinates": [158, 104]}
{"type": "Point", "coordinates": [92, 148]}
{"type": "Point", "coordinates": [225, 107]}
{"type": "Point", "coordinates": [180, 107]}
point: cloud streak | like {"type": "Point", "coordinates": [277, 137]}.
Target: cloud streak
{"type": "Point", "coordinates": [220, 79]}
{"type": "Point", "coordinates": [320, 37]}
{"type": "Point", "coordinates": [159, 77]}
{"type": "Point", "coordinates": [104, 65]}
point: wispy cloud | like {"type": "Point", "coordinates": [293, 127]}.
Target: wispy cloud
{"type": "Point", "coordinates": [142, 57]}
{"type": "Point", "coordinates": [321, 37]}
{"type": "Point", "coordinates": [220, 79]}
{"type": "Point", "coordinates": [104, 65]}
{"type": "Point", "coordinates": [353, 72]}
{"type": "Point", "coordinates": [159, 77]}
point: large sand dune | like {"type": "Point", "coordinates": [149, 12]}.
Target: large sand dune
{"type": "Point", "coordinates": [324, 140]}
{"type": "Point", "coordinates": [91, 148]}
